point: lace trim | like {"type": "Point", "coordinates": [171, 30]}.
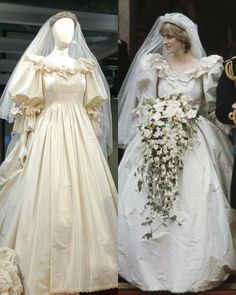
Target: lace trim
{"type": "Point", "coordinates": [157, 62]}
{"type": "Point", "coordinates": [210, 286]}
{"type": "Point", "coordinates": [82, 65]}
{"type": "Point", "coordinates": [181, 291]}
{"type": "Point", "coordinates": [25, 117]}
{"type": "Point", "coordinates": [91, 290]}
{"type": "Point", "coordinates": [9, 281]}
{"type": "Point", "coordinates": [26, 110]}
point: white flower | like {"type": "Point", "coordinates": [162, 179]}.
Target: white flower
{"type": "Point", "coordinates": [191, 114]}
{"type": "Point", "coordinates": [167, 131]}
{"type": "Point", "coordinates": [175, 104]}
{"type": "Point", "coordinates": [173, 97]}
{"type": "Point", "coordinates": [161, 123]}
{"type": "Point", "coordinates": [170, 111]}
{"type": "Point", "coordinates": [147, 133]}
{"type": "Point", "coordinates": [156, 116]}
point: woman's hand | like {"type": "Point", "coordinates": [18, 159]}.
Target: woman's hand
{"type": "Point", "coordinates": [22, 155]}
{"type": "Point", "coordinates": [234, 107]}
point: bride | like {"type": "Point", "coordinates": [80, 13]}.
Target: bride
{"type": "Point", "coordinates": [190, 247]}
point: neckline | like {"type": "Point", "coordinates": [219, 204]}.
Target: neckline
{"type": "Point", "coordinates": [185, 72]}
{"type": "Point", "coordinates": [45, 60]}
{"type": "Point", "coordinates": [63, 66]}
{"type": "Point", "coordinates": [157, 62]}
{"type": "Point", "coordinates": [82, 65]}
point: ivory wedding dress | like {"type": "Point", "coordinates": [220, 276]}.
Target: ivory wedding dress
{"type": "Point", "coordinates": [199, 254]}
{"type": "Point", "coordinates": [58, 211]}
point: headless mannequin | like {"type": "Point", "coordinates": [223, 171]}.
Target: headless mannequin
{"type": "Point", "coordinates": [63, 32]}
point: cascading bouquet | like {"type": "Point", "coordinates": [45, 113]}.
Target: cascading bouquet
{"type": "Point", "coordinates": [167, 131]}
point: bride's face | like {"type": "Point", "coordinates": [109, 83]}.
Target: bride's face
{"type": "Point", "coordinates": [63, 32]}
{"type": "Point", "coordinates": [172, 44]}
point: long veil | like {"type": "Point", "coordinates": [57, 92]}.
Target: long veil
{"type": "Point", "coordinates": [152, 44]}
{"type": "Point", "coordinates": [43, 45]}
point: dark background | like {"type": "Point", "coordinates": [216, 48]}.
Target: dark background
{"type": "Point", "coordinates": [216, 20]}
{"type": "Point", "coordinates": [98, 6]}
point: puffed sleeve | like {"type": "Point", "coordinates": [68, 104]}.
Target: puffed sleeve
{"type": "Point", "coordinates": [150, 65]}
{"type": "Point", "coordinates": [226, 96]}
{"type": "Point", "coordinates": [212, 67]}
{"type": "Point", "coordinates": [27, 93]}
{"type": "Point", "coordinates": [94, 96]}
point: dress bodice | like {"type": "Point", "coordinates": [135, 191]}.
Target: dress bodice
{"type": "Point", "coordinates": [64, 87]}
{"type": "Point", "coordinates": [40, 81]}
{"type": "Point", "coordinates": [177, 83]}
{"type": "Point", "coordinates": [199, 82]}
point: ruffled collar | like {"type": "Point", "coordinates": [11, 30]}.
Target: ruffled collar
{"type": "Point", "coordinates": [42, 64]}
{"type": "Point", "coordinates": [158, 63]}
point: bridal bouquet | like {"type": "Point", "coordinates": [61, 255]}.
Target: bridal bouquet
{"type": "Point", "coordinates": [167, 131]}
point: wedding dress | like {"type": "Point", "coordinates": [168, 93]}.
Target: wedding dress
{"type": "Point", "coordinates": [199, 254]}
{"type": "Point", "coordinates": [58, 211]}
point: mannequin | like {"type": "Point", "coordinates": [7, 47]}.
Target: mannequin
{"type": "Point", "coordinates": [63, 31]}
{"type": "Point", "coordinates": [58, 209]}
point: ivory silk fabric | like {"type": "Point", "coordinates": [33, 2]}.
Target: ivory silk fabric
{"type": "Point", "coordinates": [199, 254]}
{"type": "Point", "coordinates": [58, 212]}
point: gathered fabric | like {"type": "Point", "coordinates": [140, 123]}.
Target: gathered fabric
{"type": "Point", "coordinates": [201, 253]}
{"type": "Point", "coordinates": [58, 212]}
{"type": "Point", "coordinates": [26, 117]}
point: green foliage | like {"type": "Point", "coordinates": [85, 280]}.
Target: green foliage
{"type": "Point", "coordinates": [167, 131]}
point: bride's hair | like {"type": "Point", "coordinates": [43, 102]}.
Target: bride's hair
{"type": "Point", "coordinates": [152, 44]}
{"type": "Point", "coordinates": [178, 32]}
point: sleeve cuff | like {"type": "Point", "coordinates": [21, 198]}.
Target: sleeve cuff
{"type": "Point", "coordinates": [95, 118]}
{"type": "Point", "coordinates": [25, 118]}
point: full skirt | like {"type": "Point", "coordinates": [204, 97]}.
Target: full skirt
{"type": "Point", "coordinates": [199, 254]}
{"type": "Point", "coordinates": [58, 212]}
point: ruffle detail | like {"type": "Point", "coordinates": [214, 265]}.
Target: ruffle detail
{"type": "Point", "coordinates": [95, 118]}
{"type": "Point", "coordinates": [41, 64]}
{"type": "Point", "coordinates": [10, 283]}
{"type": "Point", "coordinates": [26, 110]}
{"type": "Point", "coordinates": [154, 61]}
{"type": "Point", "coordinates": [157, 62]}
{"type": "Point", "coordinates": [206, 64]}
{"type": "Point", "coordinates": [25, 117]}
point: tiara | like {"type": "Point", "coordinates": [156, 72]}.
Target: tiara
{"type": "Point", "coordinates": [175, 24]}
{"type": "Point", "coordinates": [63, 14]}
{"type": "Point", "coordinates": [174, 19]}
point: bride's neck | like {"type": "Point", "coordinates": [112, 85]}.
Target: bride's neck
{"type": "Point", "coordinates": [180, 57]}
